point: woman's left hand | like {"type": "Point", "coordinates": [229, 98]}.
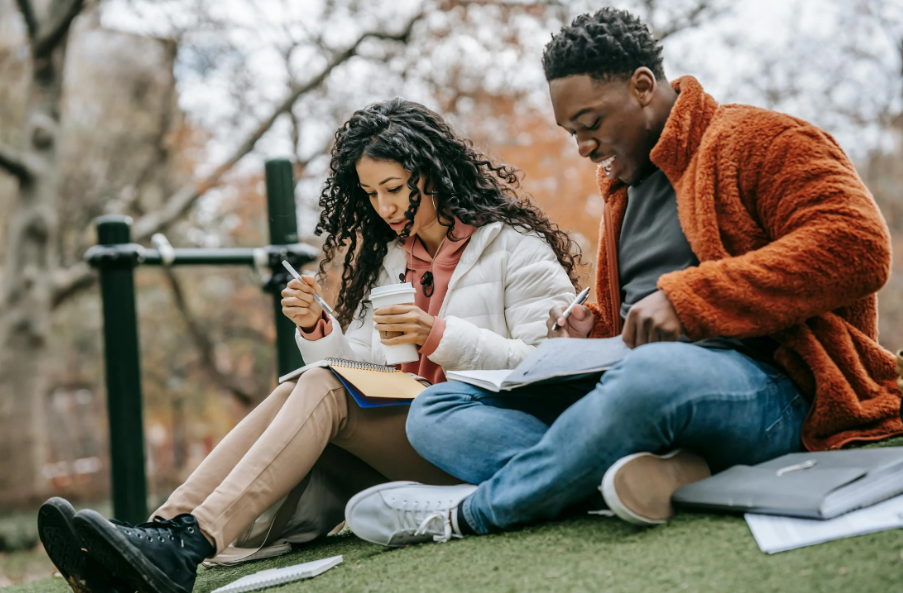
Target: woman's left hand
{"type": "Point", "coordinates": [403, 324]}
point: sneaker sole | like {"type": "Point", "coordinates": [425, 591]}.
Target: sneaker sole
{"type": "Point", "coordinates": [111, 549]}
{"type": "Point", "coordinates": [364, 494]}
{"type": "Point", "coordinates": [674, 470]}
{"type": "Point", "coordinates": [62, 544]}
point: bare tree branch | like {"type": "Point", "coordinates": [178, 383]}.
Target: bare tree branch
{"type": "Point", "coordinates": [67, 282]}
{"type": "Point", "coordinates": [449, 4]}
{"type": "Point", "coordinates": [205, 345]}
{"type": "Point", "coordinates": [176, 206]}
{"type": "Point", "coordinates": [31, 20]}
{"type": "Point", "coordinates": [16, 163]}
{"type": "Point", "coordinates": [57, 26]}
{"type": "Point", "coordinates": [703, 11]}
{"type": "Point", "coordinates": [70, 281]}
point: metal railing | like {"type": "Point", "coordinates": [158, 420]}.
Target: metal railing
{"type": "Point", "coordinates": [116, 258]}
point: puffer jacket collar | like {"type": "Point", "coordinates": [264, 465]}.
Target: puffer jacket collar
{"type": "Point", "coordinates": [394, 263]}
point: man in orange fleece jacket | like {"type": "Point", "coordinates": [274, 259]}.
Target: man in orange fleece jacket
{"type": "Point", "coordinates": [739, 259]}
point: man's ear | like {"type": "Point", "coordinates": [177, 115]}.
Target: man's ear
{"type": "Point", "coordinates": [643, 85]}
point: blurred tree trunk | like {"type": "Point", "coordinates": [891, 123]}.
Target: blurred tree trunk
{"type": "Point", "coordinates": [31, 257]}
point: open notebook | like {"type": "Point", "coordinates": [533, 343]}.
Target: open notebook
{"type": "Point", "coordinates": [555, 359]}
{"type": "Point", "coordinates": [371, 385]}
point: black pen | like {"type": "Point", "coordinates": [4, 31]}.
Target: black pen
{"type": "Point", "coordinates": [581, 298]}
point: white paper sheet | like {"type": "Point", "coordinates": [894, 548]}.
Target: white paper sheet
{"type": "Point", "coordinates": [779, 534]}
{"type": "Point", "coordinates": [280, 576]}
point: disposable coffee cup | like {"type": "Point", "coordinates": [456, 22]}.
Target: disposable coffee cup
{"type": "Point", "coordinates": [395, 294]}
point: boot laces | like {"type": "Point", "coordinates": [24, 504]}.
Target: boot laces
{"type": "Point", "coordinates": [157, 530]}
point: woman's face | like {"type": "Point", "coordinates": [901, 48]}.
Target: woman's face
{"type": "Point", "coordinates": [386, 184]}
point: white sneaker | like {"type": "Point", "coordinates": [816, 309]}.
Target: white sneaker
{"type": "Point", "coordinates": [401, 513]}
{"type": "Point", "coordinates": [638, 488]}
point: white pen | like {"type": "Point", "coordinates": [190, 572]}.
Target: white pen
{"type": "Point", "coordinates": [297, 276]}
{"type": "Point", "coordinates": [581, 298]}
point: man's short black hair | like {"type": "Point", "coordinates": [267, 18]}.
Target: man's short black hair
{"type": "Point", "coordinates": [606, 45]}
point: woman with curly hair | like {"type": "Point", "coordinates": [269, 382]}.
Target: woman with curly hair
{"type": "Point", "coordinates": [407, 200]}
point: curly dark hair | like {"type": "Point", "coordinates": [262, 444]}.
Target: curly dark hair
{"type": "Point", "coordinates": [610, 44]}
{"type": "Point", "coordinates": [463, 182]}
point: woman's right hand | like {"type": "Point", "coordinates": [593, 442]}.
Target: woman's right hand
{"type": "Point", "coordinates": [298, 303]}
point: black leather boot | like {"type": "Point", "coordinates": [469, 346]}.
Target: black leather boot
{"type": "Point", "coordinates": [157, 557]}
{"type": "Point", "coordinates": [62, 545]}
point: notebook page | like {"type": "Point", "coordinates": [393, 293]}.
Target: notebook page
{"type": "Point", "coordinates": [280, 576]}
{"type": "Point", "coordinates": [778, 534]}
{"type": "Point", "coordinates": [564, 357]}
{"type": "Point", "coordinates": [491, 380]}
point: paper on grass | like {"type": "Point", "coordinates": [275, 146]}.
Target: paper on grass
{"type": "Point", "coordinates": [280, 576]}
{"type": "Point", "coordinates": [779, 534]}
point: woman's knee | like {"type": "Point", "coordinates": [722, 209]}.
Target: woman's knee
{"type": "Point", "coordinates": [316, 383]}
{"type": "Point", "coordinates": [310, 390]}
{"type": "Point", "coordinates": [281, 393]}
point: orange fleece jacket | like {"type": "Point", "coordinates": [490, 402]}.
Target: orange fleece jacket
{"type": "Point", "coordinates": [791, 245]}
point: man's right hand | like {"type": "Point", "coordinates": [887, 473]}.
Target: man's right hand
{"type": "Point", "coordinates": [298, 303]}
{"type": "Point", "coordinates": [577, 325]}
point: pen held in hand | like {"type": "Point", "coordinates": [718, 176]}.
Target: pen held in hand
{"type": "Point", "coordinates": [581, 298]}
{"type": "Point", "coordinates": [297, 276]}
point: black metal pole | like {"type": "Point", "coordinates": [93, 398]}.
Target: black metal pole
{"type": "Point", "coordinates": [283, 232]}
{"type": "Point", "coordinates": [123, 369]}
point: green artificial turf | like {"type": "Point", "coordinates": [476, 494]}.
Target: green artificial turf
{"type": "Point", "coordinates": [694, 552]}
{"type": "Point", "coordinates": [700, 553]}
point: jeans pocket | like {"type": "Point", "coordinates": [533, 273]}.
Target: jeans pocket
{"type": "Point", "coordinates": [783, 435]}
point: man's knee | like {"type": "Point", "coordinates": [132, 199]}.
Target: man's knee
{"type": "Point", "coordinates": [650, 379]}
{"type": "Point", "coordinates": [426, 411]}
{"type": "Point", "coordinates": [661, 365]}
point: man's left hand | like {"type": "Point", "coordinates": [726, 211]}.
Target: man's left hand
{"type": "Point", "coordinates": [652, 319]}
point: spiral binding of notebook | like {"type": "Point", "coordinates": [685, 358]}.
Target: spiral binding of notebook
{"type": "Point", "coordinates": [364, 366]}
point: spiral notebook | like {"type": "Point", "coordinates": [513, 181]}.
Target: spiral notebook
{"type": "Point", "coordinates": [371, 385]}
{"type": "Point", "coordinates": [280, 576]}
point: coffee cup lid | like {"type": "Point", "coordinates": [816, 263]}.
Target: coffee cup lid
{"type": "Point", "coordinates": [402, 287]}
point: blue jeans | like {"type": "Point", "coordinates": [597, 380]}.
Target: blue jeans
{"type": "Point", "coordinates": [538, 450]}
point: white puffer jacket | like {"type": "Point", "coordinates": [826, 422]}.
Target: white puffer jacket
{"type": "Point", "coordinates": [495, 310]}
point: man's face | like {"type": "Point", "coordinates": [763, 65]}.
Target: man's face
{"type": "Point", "coordinates": [611, 121]}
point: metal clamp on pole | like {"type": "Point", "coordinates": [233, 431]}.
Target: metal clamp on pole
{"type": "Point", "coordinates": [167, 253]}
{"type": "Point", "coordinates": [109, 257]}
{"type": "Point", "coordinates": [299, 255]}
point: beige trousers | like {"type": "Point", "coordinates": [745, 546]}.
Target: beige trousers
{"type": "Point", "coordinates": [277, 445]}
